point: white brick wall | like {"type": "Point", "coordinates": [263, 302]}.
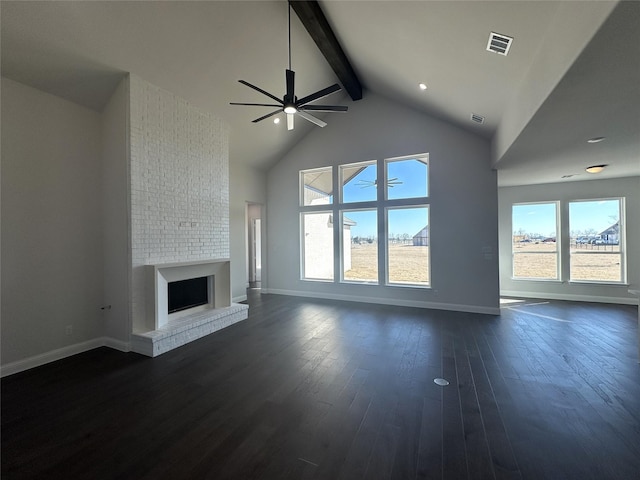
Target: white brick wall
{"type": "Point", "coordinates": [179, 186]}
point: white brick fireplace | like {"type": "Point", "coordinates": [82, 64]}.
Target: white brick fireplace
{"type": "Point", "coordinates": [177, 329]}
{"type": "Point", "coordinates": [159, 277]}
{"type": "Point", "coordinates": [179, 191]}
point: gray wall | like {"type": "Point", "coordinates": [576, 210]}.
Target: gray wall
{"type": "Point", "coordinates": [115, 181]}
{"type": "Point", "coordinates": [564, 192]}
{"type": "Point", "coordinates": [66, 222]}
{"type": "Point", "coordinates": [463, 206]}
{"type": "Point", "coordinates": [52, 238]}
{"type": "Point", "coordinates": [248, 186]}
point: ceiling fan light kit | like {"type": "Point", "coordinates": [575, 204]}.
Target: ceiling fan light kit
{"type": "Point", "coordinates": [290, 104]}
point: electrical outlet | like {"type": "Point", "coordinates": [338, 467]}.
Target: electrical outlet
{"type": "Point", "coordinates": [68, 330]}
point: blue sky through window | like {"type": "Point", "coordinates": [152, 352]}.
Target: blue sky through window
{"type": "Point", "coordinates": [411, 182]}
{"type": "Point", "coordinates": [366, 223]}
{"type": "Point", "coordinates": [593, 216]}
{"type": "Point", "coordinates": [538, 219]}
{"type": "Point", "coordinates": [584, 216]}
{"type": "Point", "coordinates": [407, 220]}
{"type": "Point", "coordinates": [413, 175]}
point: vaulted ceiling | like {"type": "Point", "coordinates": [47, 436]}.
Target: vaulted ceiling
{"type": "Point", "coordinates": [572, 73]}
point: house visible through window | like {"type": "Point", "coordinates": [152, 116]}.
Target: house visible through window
{"type": "Point", "coordinates": [389, 224]}
{"type": "Point", "coordinates": [594, 243]}
{"type": "Point", "coordinates": [408, 255]}
{"type": "Point", "coordinates": [597, 253]}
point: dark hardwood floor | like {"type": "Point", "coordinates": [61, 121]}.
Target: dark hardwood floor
{"type": "Point", "coordinates": [330, 390]}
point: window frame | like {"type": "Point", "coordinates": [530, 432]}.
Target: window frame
{"type": "Point", "coordinates": [621, 243]}
{"type": "Point", "coordinates": [341, 167]}
{"type": "Point", "coordinates": [558, 245]}
{"type": "Point", "coordinates": [342, 257]}
{"type": "Point", "coordinates": [301, 186]}
{"type": "Point", "coordinates": [303, 246]}
{"type": "Point", "coordinates": [564, 243]}
{"type": "Point", "coordinates": [388, 282]}
{"type": "Point", "coordinates": [380, 205]}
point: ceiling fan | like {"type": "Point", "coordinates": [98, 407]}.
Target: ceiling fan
{"type": "Point", "coordinates": [392, 182]}
{"type": "Point", "coordinates": [292, 105]}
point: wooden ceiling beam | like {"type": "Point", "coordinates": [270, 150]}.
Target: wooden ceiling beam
{"type": "Point", "coordinates": [311, 16]}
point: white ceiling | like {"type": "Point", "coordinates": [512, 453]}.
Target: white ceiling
{"type": "Point", "coordinates": [198, 50]}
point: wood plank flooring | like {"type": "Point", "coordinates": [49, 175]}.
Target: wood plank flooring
{"type": "Point", "coordinates": [313, 389]}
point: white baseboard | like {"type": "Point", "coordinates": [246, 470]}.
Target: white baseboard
{"type": "Point", "coordinates": [60, 353]}
{"type": "Point", "coordinates": [241, 298]}
{"type": "Point", "coordinates": [116, 344]}
{"type": "Point", "coordinates": [388, 301]}
{"type": "Point", "coordinates": [570, 297]}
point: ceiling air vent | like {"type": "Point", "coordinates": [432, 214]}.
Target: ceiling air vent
{"type": "Point", "coordinates": [477, 118]}
{"type": "Point", "coordinates": [499, 43]}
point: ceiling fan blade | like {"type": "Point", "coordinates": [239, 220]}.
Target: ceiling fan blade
{"type": "Point", "coordinates": [261, 91]}
{"type": "Point", "coordinates": [290, 121]}
{"type": "Point", "coordinates": [256, 104]}
{"type": "Point", "coordinates": [267, 116]}
{"type": "Point", "coordinates": [291, 77]}
{"type": "Point", "coordinates": [312, 119]}
{"type": "Point", "coordinates": [319, 94]}
{"type": "Point", "coordinates": [324, 108]}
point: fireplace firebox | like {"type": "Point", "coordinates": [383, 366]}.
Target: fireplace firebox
{"type": "Point", "coordinates": [186, 294]}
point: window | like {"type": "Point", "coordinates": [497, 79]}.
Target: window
{"type": "Point", "coordinates": [408, 246]}
{"type": "Point", "coordinates": [593, 246]}
{"type": "Point", "coordinates": [597, 240]}
{"type": "Point", "coordinates": [535, 241]}
{"type": "Point", "coordinates": [407, 177]}
{"type": "Point", "coordinates": [359, 182]}
{"type": "Point", "coordinates": [360, 245]}
{"type": "Point", "coordinates": [316, 187]}
{"type": "Point", "coordinates": [317, 245]}
{"type": "Point", "coordinates": [401, 210]}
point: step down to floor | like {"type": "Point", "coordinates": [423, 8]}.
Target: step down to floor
{"type": "Point", "coordinates": [187, 329]}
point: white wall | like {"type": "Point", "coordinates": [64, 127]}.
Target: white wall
{"type": "Point", "coordinates": [248, 185]}
{"type": "Point", "coordinates": [565, 192]}
{"type": "Point", "coordinates": [179, 161]}
{"type": "Point", "coordinates": [546, 70]}
{"type": "Point", "coordinates": [52, 236]}
{"type": "Point", "coordinates": [463, 212]}
{"type": "Point", "coordinates": [115, 181]}
{"type": "Point", "coordinates": [79, 221]}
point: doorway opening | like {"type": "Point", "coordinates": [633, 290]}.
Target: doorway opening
{"type": "Point", "coordinates": [254, 245]}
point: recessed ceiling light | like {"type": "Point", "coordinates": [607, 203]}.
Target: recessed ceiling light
{"type": "Point", "coordinates": [595, 168]}
{"type": "Point", "coordinates": [276, 120]}
{"type": "Point", "coordinates": [423, 86]}
{"type": "Point", "coordinates": [595, 139]}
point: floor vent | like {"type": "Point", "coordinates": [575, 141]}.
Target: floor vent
{"type": "Point", "coordinates": [499, 43]}
{"type": "Point", "coordinates": [477, 118]}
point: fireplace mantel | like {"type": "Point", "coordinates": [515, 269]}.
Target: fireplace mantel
{"type": "Point", "coordinates": [169, 331]}
{"type": "Point", "coordinates": [160, 275]}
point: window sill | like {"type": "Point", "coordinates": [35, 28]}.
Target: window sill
{"type": "Point", "coordinates": [321, 280]}
{"type": "Point", "coordinates": [544, 280]}
{"type": "Point", "coordinates": [409, 285]}
{"type": "Point", "coordinates": [598, 282]}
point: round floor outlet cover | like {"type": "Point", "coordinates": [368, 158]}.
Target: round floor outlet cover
{"type": "Point", "coordinates": [440, 381]}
